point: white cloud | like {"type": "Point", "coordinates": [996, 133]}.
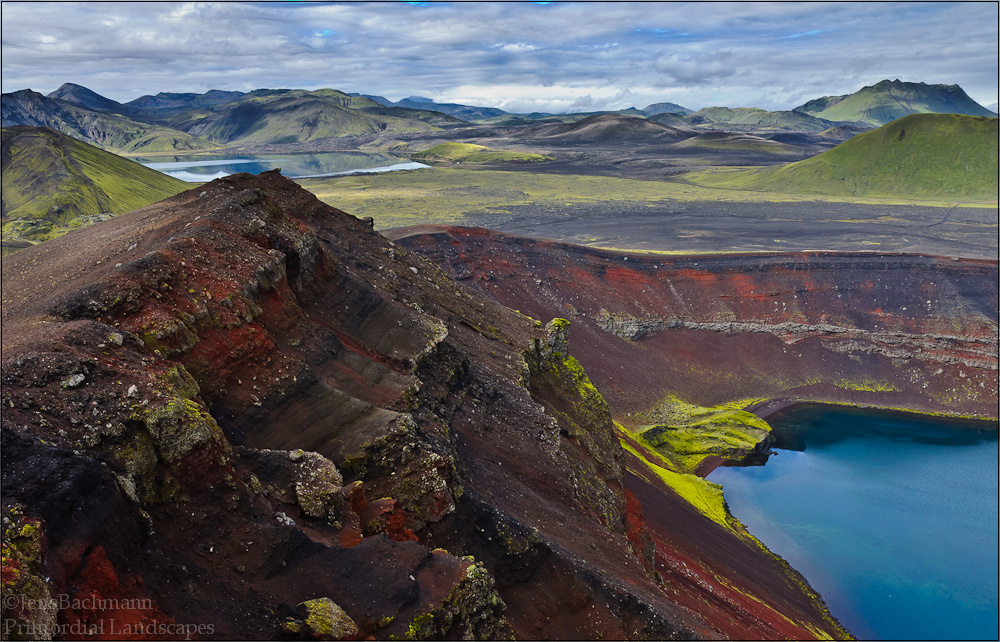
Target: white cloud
{"type": "Point", "coordinates": [517, 54]}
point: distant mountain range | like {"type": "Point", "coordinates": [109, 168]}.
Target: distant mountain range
{"type": "Point", "coordinates": [189, 122]}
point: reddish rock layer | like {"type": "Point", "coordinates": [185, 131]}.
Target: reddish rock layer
{"type": "Point", "coordinates": [901, 331]}
{"type": "Point", "coordinates": [240, 404]}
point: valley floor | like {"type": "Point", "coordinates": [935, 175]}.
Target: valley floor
{"type": "Point", "coordinates": [659, 216]}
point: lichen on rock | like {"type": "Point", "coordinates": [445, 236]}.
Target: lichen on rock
{"type": "Point", "coordinates": [322, 619]}
{"type": "Point", "coordinates": [29, 610]}
{"type": "Point", "coordinates": [319, 486]}
{"type": "Point", "coordinates": [473, 610]}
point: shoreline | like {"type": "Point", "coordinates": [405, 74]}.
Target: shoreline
{"type": "Point", "coordinates": [767, 408]}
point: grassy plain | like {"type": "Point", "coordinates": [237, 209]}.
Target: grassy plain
{"type": "Point", "coordinates": [448, 195]}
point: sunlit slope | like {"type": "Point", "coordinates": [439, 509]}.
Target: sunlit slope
{"type": "Point", "coordinates": [759, 118]}
{"type": "Point", "coordinates": [53, 182]}
{"type": "Point", "coordinates": [934, 156]}
{"type": "Point", "coordinates": [890, 99]}
{"type": "Point", "coordinates": [470, 153]}
{"type": "Point", "coordinates": [297, 116]}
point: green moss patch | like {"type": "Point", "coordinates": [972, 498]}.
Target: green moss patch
{"type": "Point", "coordinates": [470, 153]}
{"type": "Point", "coordinates": [685, 434]}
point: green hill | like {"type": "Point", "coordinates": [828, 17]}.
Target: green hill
{"type": "Point", "coordinates": [436, 118]}
{"type": "Point", "coordinates": [113, 132]}
{"type": "Point", "coordinates": [53, 183]}
{"type": "Point", "coordinates": [469, 153]}
{"type": "Point", "coordinates": [665, 108]}
{"type": "Point", "coordinates": [295, 116]}
{"type": "Point", "coordinates": [758, 119]}
{"type": "Point", "coordinates": [737, 142]}
{"type": "Point", "coordinates": [891, 99]}
{"type": "Point", "coordinates": [934, 156]}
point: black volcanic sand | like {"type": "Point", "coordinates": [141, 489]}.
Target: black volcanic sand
{"type": "Point", "coordinates": [699, 227]}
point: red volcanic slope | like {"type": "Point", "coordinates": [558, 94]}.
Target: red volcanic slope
{"type": "Point", "coordinates": [239, 401]}
{"type": "Point", "coordinates": [899, 331]}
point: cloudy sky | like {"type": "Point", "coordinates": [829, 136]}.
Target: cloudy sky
{"type": "Point", "coordinates": [517, 56]}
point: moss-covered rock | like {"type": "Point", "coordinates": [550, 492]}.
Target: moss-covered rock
{"type": "Point", "coordinates": [321, 619]}
{"type": "Point", "coordinates": [179, 426]}
{"type": "Point", "coordinates": [28, 609]}
{"type": "Point", "coordinates": [318, 489]}
{"type": "Point", "coordinates": [473, 610]}
{"type": "Point", "coordinates": [560, 382]}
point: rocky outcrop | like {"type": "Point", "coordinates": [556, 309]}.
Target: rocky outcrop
{"type": "Point", "coordinates": [244, 414]}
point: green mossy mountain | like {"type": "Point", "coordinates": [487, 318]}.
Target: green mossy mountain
{"type": "Point", "coordinates": [110, 131]}
{"type": "Point", "coordinates": [758, 118]}
{"type": "Point", "coordinates": [891, 99]}
{"type": "Point", "coordinates": [736, 142]}
{"type": "Point", "coordinates": [53, 182]}
{"type": "Point", "coordinates": [934, 156]}
{"type": "Point", "coordinates": [665, 108]}
{"type": "Point", "coordinates": [296, 116]}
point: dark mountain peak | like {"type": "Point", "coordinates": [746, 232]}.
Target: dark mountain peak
{"type": "Point", "coordinates": [665, 108]}
{"type": "Point", "coordinates": [83, 97]}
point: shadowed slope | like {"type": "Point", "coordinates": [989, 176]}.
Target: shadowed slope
{"type": "Point", "coordinates": [107, 130]}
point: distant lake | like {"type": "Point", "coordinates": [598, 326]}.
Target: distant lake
{"type": "Point", "coordinates": [892, 517]}
{"type": "Point", "coordinates": [203, 168]}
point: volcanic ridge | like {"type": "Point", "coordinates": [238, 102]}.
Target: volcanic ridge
{"type": "Point", "coordinates": [242, 413]}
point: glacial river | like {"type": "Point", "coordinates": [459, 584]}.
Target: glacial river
{"type": "Point", "coordinates": [203, 168]}
{"type": "Point", "coordinates": [891, 517]}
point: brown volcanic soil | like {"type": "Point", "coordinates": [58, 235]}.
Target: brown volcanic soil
{"type": "Point", "coordinates": [164, 371]}
{"type": "Point", "coordinates": [902, 331]}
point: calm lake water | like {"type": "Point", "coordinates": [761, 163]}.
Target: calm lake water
{"type": "Point", "coordinates": [891, 517]}
{"type": "Point", "coordinates": [199, 169]}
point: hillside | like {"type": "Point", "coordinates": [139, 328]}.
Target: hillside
{"type": "Point", "coordinates": [933, 156]}
{"type": "Point", "coordinates": [110, 131]}
{"type": "Point", "coordinates": [725, 141]}
{"type": "Point", "coordinates": [440, 119]}
{"type": "Point", "coordinates": [891, 99]}
{"type": "Point", "coordinates": [758, 118]}
{"type": "Point", "coordinates": [477, 154]}
{"type": "Point", "coordinates": [464, 112]}
{"type": "Point", "coordinates": [265, 417]}
{"type": "Point", "coordinates": [52, 183]}
{"type": "Point", "coordinates": [293, 116]}
{"type": "Point", "coordinates": [612, 128]}
{"type": "Point", "coordinates": [83, 97]}
{"type": "Point", "coordinates": [665, 108]}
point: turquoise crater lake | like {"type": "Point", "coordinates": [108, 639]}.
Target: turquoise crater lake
{"type": "Point", "coordinates": [892, 517]}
